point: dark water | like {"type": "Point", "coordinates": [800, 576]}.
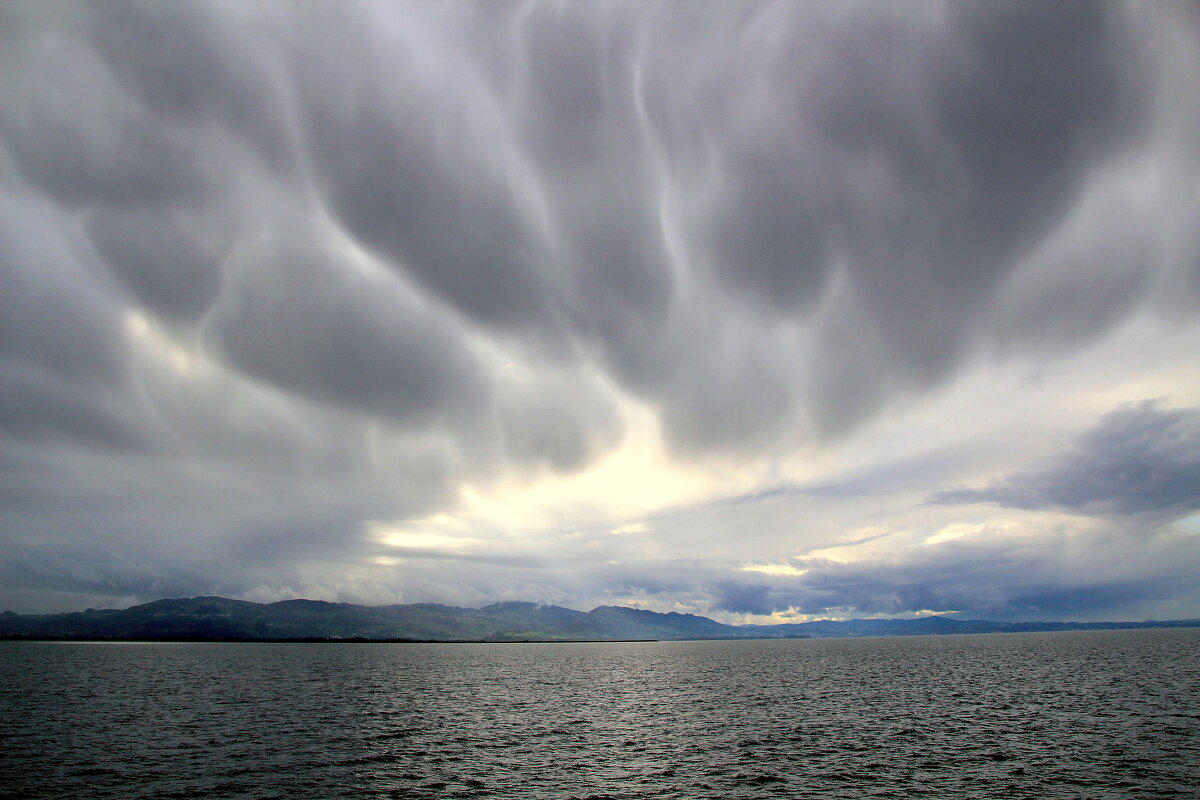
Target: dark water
{"type": "Point", "coordinates": [1080, 715]}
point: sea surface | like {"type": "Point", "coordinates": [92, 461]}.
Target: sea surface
{"type": "Point", "coordinates": [1110, 714]}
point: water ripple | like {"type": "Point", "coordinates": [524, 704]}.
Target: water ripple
{"type": "Point", "coordinates": [1094, 715]}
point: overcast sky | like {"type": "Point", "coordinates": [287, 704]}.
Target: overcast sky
{"type": "Point", "coordinates": [763, 311]}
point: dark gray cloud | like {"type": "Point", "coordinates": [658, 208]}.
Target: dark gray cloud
{"type": "Point", "coordinates": [742, 598]}
{"type": "Point", "coordinates": [408, 173]}
{"type": "Point", "coordinates": [1140, 459]}
{"type": "Point", "coordinates": [320, 329]}
{"type": "Point", "coordinates": [63, 368]}
{"type": "Point", "coordinates": [168, 261]}
{"type": "Point", "coordinates": [328, 266]}
{"type": "Point", "coordinates": [75, 134]}
{"type": "Point", "coordinates": [561, 181]}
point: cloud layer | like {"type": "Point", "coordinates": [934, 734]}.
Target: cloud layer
{"type": "Point", "coordinates": [280, 284]}
{"type": "Point", "coordinates": [1139, 460]}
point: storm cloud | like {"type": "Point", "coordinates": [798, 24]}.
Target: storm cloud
{"type": "Point", "coordinates": [1140, 459]}
{"type": "Point", "coordinates": [293, 296]}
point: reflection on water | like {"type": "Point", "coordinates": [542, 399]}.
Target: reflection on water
{"type": "Point", "coordinates": [1112, 714]}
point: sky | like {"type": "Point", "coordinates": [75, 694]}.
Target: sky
{"type": "Point", "coordinates": [761, 311]}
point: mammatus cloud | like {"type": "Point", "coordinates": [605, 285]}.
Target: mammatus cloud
{"type": "Point", "coordinates": [277, 280]}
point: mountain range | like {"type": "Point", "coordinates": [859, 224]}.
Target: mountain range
{"type": "Point", "coordinates": [219, 618]}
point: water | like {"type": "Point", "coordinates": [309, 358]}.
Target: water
{"type": "Point", "coordinates": [1113, 714]}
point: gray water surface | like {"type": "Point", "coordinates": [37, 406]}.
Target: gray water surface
{"type": "Point", "coordinates": [1110, 714]}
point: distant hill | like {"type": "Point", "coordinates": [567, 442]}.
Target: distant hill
{"type": "Point", "coordinates": [219, 618]}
